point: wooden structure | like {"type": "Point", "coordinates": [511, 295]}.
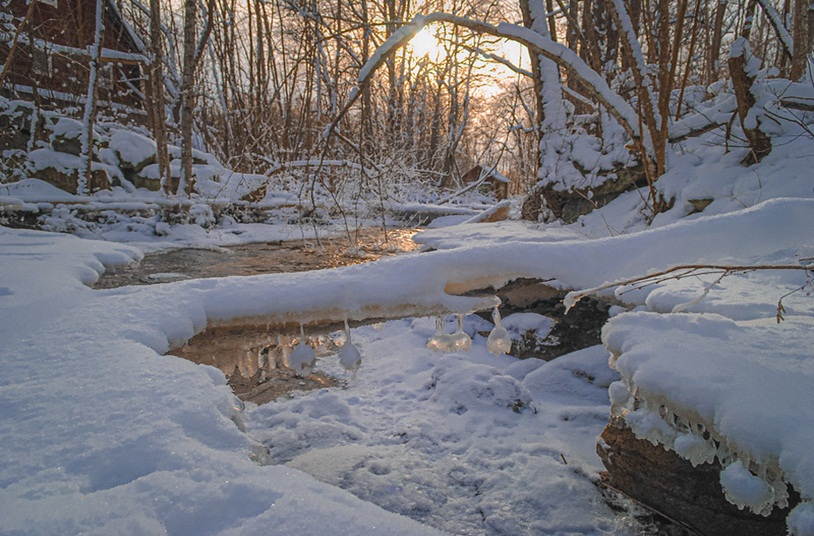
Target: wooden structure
{"type": "Point", "coordinates": [494, 182]}
{"type": "Point", "coordinates": [51, 42]}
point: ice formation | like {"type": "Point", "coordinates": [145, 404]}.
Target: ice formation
{"type": "Point", "coordinates": [747, 483]}
{"type": "Point", "coordinates": [460, 341]}
{"type": "Point", "coordinates": [349, 356]}
{"type": "Point", "coordinates": [498, 341]}
{"type": "Point", "coordinates": [302, 358]}
{"type": "Point", "coordinates": [440, 341]}
{"type": "Point", "coordinates": [446, 342]}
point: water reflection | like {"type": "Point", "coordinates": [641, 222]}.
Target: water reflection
{"type": "Point", "coordinates": [249, 353]}
{"type": "Point", "coordinates": [258, 364]}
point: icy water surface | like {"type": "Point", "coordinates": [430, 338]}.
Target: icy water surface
{"type": "Point", "coordinates": [248, 357]}
{"type": "Point", "coordinates": [260, 258]}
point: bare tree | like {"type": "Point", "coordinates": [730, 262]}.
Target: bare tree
{"type": "Point", "coordinates": [802, 40]}
{"type": "Point", "coordinates": [86, 182]}
{"type": "Point", "coordinates": [193, 49]}
{"type": "Point", "coordinates": [156, 105]}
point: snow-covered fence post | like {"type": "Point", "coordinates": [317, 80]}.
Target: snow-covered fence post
{"type": "Point", "coordinates": [85, 181]}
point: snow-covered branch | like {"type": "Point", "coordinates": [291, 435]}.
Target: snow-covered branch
{"type": "Point", "coordinates": [680, 272]}
{"type": "Point", "coordinates": [776, 22]}
{"type": "Point", "coordinates": [596, 86]}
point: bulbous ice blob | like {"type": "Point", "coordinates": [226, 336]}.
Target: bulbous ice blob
{"type": "Point", "coordinates": [349, 356]}
{"type": "Point", "coordinates": [440, 341]}
{"type": "Point", "coordinates": [498, 341]}
{"type": "Point", "coordinates": [742, 488]}
{"type": "Point", "coordinates": [302, 358]}
{"type": "Point", "coordinates": [460, 341]}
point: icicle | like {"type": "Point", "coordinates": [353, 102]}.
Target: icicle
{"type": "Point", "coordinates": [302, 358]}
{"type": "Point", "coordinates": [499, 341]}
{"type": "Point", "coordinates": [460, 341]}
{"type": "Point", "coordinates": [285, 346]}
{"type": "Point", "coordinates": [349, 356]}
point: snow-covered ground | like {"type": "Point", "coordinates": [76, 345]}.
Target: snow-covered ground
{"type": "Point", "coordinates": [103, 434]}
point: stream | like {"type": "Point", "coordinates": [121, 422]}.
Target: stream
{"type": "Point", "coordinates": [255, 361]}
{"type": "Point", "coordinates": [261, 258]}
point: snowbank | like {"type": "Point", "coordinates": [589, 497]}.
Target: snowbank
{"type": "Point", "coordinates": [107, 435]}
{"type": "Point", "coordinates": [103, 435]}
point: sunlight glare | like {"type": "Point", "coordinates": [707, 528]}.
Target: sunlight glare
{"type": "Point", "coordinates": [424, 43]}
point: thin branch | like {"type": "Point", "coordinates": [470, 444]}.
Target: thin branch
{"type": "Point", "coordinates": [13, 46]}
{"type": "Point", "coordinates": [670, 273]}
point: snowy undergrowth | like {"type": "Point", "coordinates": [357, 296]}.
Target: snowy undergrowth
{"type": "Point", "coordinates": [707, 370]}
{"type": "Point", "coordinates": [106, 435]}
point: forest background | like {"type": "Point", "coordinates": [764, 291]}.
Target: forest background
{"type": "Point", "coordinates": [384, 96]}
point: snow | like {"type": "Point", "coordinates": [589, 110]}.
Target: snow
{"type": "Point", "coordinates": [104, 434]}
{"type": "Point", "coordinates": [742, 487]}
{"type": "Point", "coordinates": [132, 148]}
{"type": "Point", "coordinates": [115, 423]}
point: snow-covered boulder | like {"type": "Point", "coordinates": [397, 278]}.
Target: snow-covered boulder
{"type": "Point", "coordinates": [66, 136]}
{"type": "Point", "coordinates": [133, 150]}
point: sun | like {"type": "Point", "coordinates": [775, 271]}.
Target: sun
{"type": "Point", "coordinates": [425, 44]}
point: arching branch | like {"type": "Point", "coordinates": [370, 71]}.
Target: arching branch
{"type": "Point", "coordinates": [596, 87]}
{"type": "Point", "coordinates": [776, 22]}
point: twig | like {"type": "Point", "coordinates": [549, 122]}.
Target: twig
{"type": "Point", "coordinates": [643, 281]}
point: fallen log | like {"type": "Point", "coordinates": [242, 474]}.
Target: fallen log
{"type": "Point", "coordinates": [669, 485]}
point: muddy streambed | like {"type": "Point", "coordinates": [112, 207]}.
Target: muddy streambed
{"type": "Point", "coordinates": [261, 258]}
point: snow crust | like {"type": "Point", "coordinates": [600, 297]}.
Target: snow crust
{"type": "Point", "coordinates": [706, 369]}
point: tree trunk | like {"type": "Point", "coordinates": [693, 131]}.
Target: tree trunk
{"type": "Point", "coordinates": [655, 164]}
{"type": "Point", "coordinates": [538, 83]}
{"type": "Point", "coordinates": [713, 67]}
{"type": "Point", "coordinates": [155, 106]}
{"type": "Point", "coordinates": [188, 72]}
{"type": "Point", "coordinates": [665, 483]}
{"type": "Point", "coordinates": [799, 57]}
{"type": "Point", "coordinates": [742, 80]}
{"type": "Point", "coordinates": [85, 182]}
{"type": "Point", "coordinates": [749, 19]}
